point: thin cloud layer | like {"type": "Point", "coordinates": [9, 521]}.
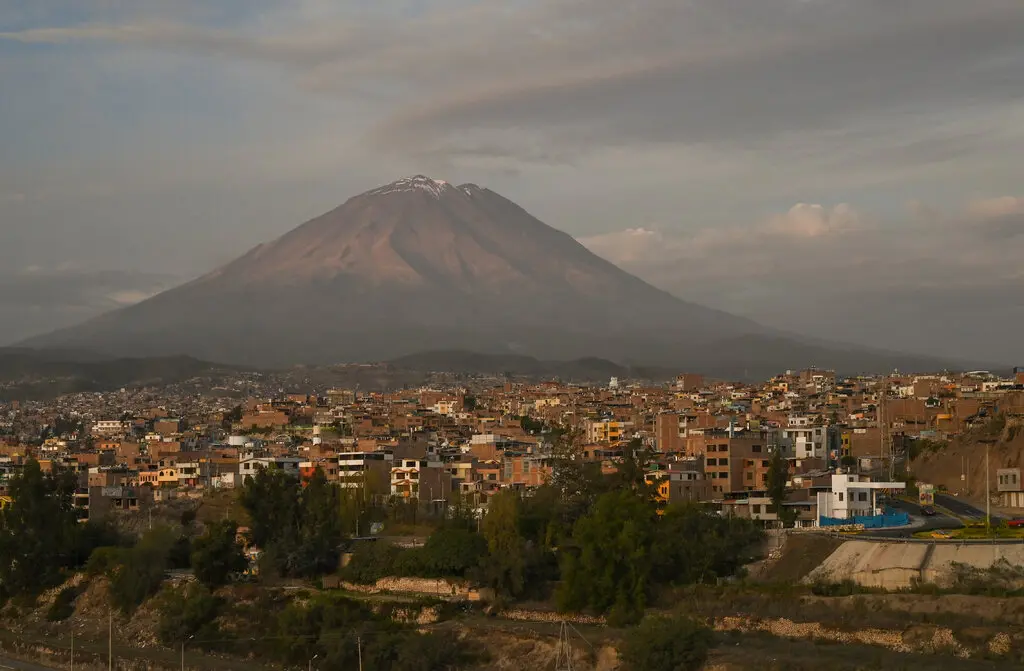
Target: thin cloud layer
{"type": "Point", "coordinates": [913, 282]}
{"type": "Point", "coordinates": [36, 300]}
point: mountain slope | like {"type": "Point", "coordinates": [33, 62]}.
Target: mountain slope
{"type": "Point", "coordinates": [420, 264]}
{"type": "Point", "coordinates": [30, 374]}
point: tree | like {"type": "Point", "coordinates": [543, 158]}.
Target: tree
{"type": "Point", "coordinates": [217, 554]}
{"type": "Point", "coordinates": [188, 613]}
{"type": "Point", "coordinates": [453, 551]}
{"type": "Point", "coordinates": [503, 567]}
{"type": "Point", "coordinates": [300, 529]}
{"type": "Point", "coordinates": [632, 468]}
{"type": "Point", "coordinates": [140, 570]}
{"type": "Point", "coordinates": [39, 534]}
{"type": "Point", "coordinates": [778, 477]}
{"type": "Point", "coordinates": [692, 545]}
{"type": "Point", "coordinates": [608, 570]}
{"type": "Point", "coordinates": [667, 644]}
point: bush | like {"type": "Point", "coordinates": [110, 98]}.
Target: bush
{"type": "Point", "coordinates": [103, 561]}
{"type": "Point", "coordinates": [844, 588]}
{"type": "Point", "coordinates": [666, 644]}
{"type": "Point", "coordinates": [371, 561]}
{"type": "Point", "coordinates": [63, 605]}
{"type": "Point", "coordinates": [216, 555]}
{"type": "Point", "coordinates": [141, 570]}
{"type": "Point", "coordinates": [188, 613]}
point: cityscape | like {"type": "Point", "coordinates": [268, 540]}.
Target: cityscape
{"type": "Point", "coordinates": [547, 335]}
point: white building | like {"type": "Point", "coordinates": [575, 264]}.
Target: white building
{"type": "Point", "coordinates": [853, 496]}
{"type": "Point", "coordinates": [108, 427]}
{"type": "Point", "coordinates": [803, 439]}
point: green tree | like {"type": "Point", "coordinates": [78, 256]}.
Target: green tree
{"type": "Point", "coordinates": [608, 568]}
{"type": "Point", "coordinates": [632, 468]}
{"type": "Point", "coordinates": [666, 644]}
{"type": "Point", "coordinates": [39, 534]}
{"type": "Point", "coordinates": [778, 476]}
{"type": "Point", "coordinates": [140, 570]}
{"type": "Point", "coordinates": [320, 528]}
{"type": "Point", "coordinates": [692, 545]}
{"type": "Point", "coordinates": [300, 529]}
{"type": "Point", "coordinates": [504, 565]}
{"type": "Point", "coordinates": [452, 552]}
{"type": "Point", "coordinates": [216, 554]}
{"type": "Point", "coordinates": [188, 613]}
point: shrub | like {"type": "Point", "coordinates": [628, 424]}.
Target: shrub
{"type": "Point", "coordinates": [371, 561]}
{"type": "Point", "coordinates": [103, 561]}
{"type": "Point", "coordinates": [666, 644]}
{"type": "Point", "coordinates": [188, 613]}
{"type": "Point", "coordinates": [63, 605]}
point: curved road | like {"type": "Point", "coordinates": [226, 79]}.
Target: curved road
{"type": "Point", "coordinates": [7, 664]}
{"type": "Point", "coordinates": [962, 508]}
{"type": "Point", "coordinates": [921, 522]}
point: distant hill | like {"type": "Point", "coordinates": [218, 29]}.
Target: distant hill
{"type": "Point", "coordinates": [38, 374]}
{"type": "Point", "coordinates": [589, 369]}
{"type": "Point", "coordinates": [423, 264]}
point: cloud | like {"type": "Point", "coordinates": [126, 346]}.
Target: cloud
{"type": "Point", "coordinates": [214, 126]}
{"type": "Point", "coordinates": [931, 281]}
{"type": "Point", "coordinates": [37, 299]}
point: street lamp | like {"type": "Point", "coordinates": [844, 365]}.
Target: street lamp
{"type": "Point", "coordinates": [183, 650]}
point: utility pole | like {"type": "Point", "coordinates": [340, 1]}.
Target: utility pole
{"type": "Point", "coordinates": [110, 641]}
{"type": "Point", "coordinates": [563, 653]}
{"type": "Point", "coordinates": [183, 641]}
{"type": "Point", "coordinates": [72, 648]}
{"type": "Point", "coordinates": [988, 495]}
{"type": "Point", "coordinates": [359, 649]}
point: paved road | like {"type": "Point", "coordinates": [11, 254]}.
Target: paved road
{"type": "Point", "coordinates": [7, 664]}
{"type": "Point", "coordinates": [920, 522]}
{"type": "Point", "coordinates": [962, 508]}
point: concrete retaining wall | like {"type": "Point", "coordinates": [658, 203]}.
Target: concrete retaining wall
{"type": "Point", "coordinates": [898, 565]}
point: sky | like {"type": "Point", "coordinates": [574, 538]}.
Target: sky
{"type": "Point", "coordinates": [846, 169]}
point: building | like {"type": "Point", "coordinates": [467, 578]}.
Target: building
{"type": "Point", "coordinates": [1009, 487]}
{"type": "Point", "coordinates": [607, 430]}
{"type": "Point", "coordinates": [854, 496]}
{"type": "Point", "coordinates": [804, 438]}
{"type": "Point", "coordinates": [423, 479]}
{"type": "Point", "coordinates": [735, 461]}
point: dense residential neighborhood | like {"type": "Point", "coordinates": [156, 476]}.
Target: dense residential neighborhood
{"type": "Point", "coordinates": [843, 440]}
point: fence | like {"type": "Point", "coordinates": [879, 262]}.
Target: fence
{"type": "Point", "coordinates": [868, 521]}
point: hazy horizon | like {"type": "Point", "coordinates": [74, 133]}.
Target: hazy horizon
{"type": "Point", "coordinates": [829, 167]}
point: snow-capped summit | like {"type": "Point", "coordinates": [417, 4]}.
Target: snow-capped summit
{"type": "Point", "coordinates": [434, 187]}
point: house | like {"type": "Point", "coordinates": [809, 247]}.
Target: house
{"type": "Point", "coordinates": [853, 496]}
{"type": "Point", "coordinates": [424, 479]}
{"type": "Point", "coordinates": [1010, 488]}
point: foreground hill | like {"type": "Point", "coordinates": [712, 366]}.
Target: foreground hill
{"type": "Point", "coordinates": [29, 374]}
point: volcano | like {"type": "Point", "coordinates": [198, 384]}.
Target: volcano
{"type": "Point", "coordinates": [421, 264]}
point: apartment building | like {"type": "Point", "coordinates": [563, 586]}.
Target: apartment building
{"type": "Point", "coordinates": [735, 461]}
{"type": "Point", "coordinates": [607, 430]}
{"type": "Point", "coordinates": [424, 479]}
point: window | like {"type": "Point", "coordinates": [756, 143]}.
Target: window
{"type": "Point", "coordinates": [862, 496]}
{"type": "Point", "coordinates": [723, 462]}
{"type": "Point", "coordinates": [712, 462]}
{"type": "Point", "coordinates": [840, 496]}
{"type": "Point", "coordinates": [749, 475]}
{"type": "Point", "coordinates": [755, 448]}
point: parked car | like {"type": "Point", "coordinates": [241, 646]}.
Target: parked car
{"type": "Point", "coordinates": [928, 510]}
{"type": "Point", "coordinates": [1016, 522]}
